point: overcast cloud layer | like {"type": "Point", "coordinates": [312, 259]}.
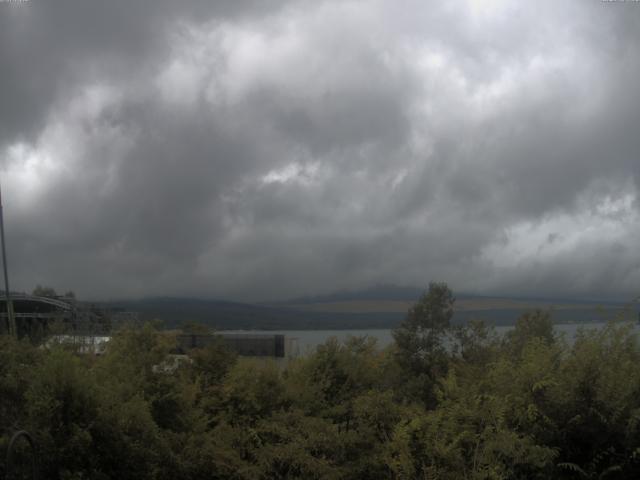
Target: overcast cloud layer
{"type": "Point", "coordinates": [254, 150]}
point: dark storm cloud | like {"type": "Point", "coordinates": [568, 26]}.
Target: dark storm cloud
{"type": "Point", "coordinates": [47, 47]}
{"type": "Point", "coordinates": [255, 151]}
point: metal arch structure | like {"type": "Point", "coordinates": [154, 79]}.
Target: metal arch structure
{"type": "Point", "coordinates": [38, 317]}
{"type": "Point", "coordinates": [34, 315]}
{"type": "Point", "coordinates": [61, 304]}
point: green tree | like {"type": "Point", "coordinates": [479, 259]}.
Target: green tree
{"type": "Point", "coordinates": [41, 291]}
{"type": "Point", "coordinates": [253, 390]}
{"type": "Point", "coordinates": [598, 412]}
{"type": "Point", "coordinates": [421, 342]}
{"type": "Point", "coordinates": [530, 325]}
{"type": "Point", "coordinates": [18, 360]}
{"type": "Point", "coordinates": [195, 328]}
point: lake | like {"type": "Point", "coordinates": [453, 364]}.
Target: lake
{"type": "Point", "coordinates": [308, 340]}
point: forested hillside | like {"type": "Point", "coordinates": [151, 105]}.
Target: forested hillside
{"type": "Point", "coordinates": [443, 402]}
{"type": "Point", "coordinates": [371, 308]}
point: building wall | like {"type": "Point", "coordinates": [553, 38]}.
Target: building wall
{"type": "Point", "coordinates": [243, 344]}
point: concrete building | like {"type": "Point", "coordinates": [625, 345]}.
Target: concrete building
{"type": "Point", "coordinates": [244, 344]}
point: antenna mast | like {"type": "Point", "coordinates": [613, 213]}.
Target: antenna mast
{"type": "Point", "coordinates": [10, 319]}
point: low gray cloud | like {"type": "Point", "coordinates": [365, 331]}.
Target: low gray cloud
{"type": "Point", "coordinates": [257, 151]}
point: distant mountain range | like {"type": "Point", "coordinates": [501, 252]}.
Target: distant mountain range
{"type": "Point", "coordinates": [382, 306]}
{"type": "Point", "coordinates": [222, 315]}
{"type": "Point", "coordinates": [377, 292]}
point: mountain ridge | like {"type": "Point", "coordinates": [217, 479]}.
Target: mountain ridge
{"type": "Point", "coordinates": [380, 306]}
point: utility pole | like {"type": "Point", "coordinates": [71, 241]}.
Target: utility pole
{"type": "Point", "coordinates": [11, 321]}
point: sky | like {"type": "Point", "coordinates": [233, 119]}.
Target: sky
{"type": "Point", "coordinates": [257, 150]}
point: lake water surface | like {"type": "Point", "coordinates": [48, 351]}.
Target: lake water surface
{"type": "Point", "coordinates": [308, 340]}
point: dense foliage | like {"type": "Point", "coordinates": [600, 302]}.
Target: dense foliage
{"type": "Point", "coordinates": [443, 402]}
